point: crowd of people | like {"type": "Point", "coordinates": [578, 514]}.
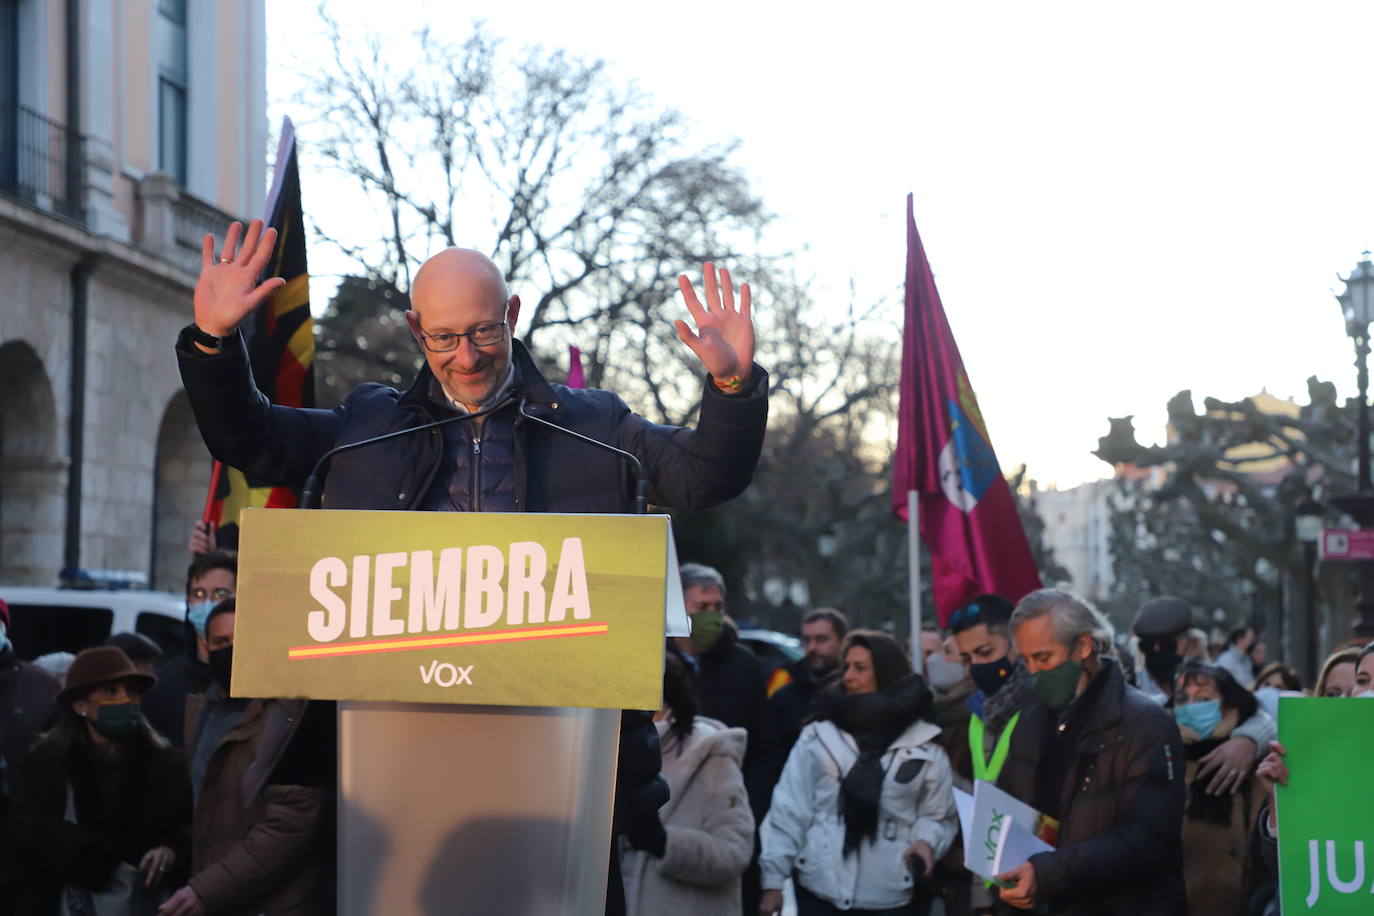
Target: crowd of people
{"type": "Point", "coordinates": [1154, 753]}
{"type": "Point", "coordinates": [140, 790]}
{"type": "Point", "coordinates": [156, 790]}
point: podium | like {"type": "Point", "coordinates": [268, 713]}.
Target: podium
{"type": "Point", "coordinates": [480, 661]}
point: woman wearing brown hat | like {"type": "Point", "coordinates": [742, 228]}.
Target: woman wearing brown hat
{"type": "Point", "coordinates": [103, 801]}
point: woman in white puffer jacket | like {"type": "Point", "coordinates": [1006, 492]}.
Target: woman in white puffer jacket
{"type": "Point", "coordinates": [866, 797]}
{"type": "Point", "coordinates": [691, 865]}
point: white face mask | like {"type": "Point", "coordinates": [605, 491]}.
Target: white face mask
{"type": "Point", "coordinates": [1367, 694]}
{"type": "Point", "coordinates": [942, 673]}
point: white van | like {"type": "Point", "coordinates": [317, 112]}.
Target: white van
{"type": "Point", "coordinates": [46, 620]}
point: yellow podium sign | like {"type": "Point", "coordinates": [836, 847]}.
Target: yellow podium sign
{"type": "Point", "coordinates": [452, 607]}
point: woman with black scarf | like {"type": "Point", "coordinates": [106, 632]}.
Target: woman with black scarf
{"type": "Point", "coordinates": [1208, 705]}
{"type": "Point", "coordinates": [865, 803]}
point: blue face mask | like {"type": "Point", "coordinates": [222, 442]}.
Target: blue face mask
{"type": "Point", "coordinates": [1202, 717]}
{"type": "Point", "coordinates": [198, 613]}
{"type": "Point", "coordinates": [4, 638]}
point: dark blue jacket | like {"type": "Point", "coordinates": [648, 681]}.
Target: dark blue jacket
{"type": "Point", "coordinates": [687, 468]}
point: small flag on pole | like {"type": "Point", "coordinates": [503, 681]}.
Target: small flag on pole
{"type": "Point", "coordinates": [968, 517]}
{"type": "Point", "coordinates": [575, 377]}
{"type": "Point", "coordinates": [281, 344]}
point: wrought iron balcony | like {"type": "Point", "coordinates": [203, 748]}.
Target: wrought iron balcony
{"type": "Point", "coordinates": [40, 161]}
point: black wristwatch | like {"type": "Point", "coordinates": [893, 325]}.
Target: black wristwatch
{"type": "Point", "coordinates": [207, 340]}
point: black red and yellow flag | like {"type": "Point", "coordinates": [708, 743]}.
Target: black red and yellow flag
{"type": "Point", "coordinates": [281, 344]}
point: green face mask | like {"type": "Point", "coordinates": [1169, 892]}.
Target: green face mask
{"type": "Point", "coordinates": [706, 629]}
{"type": "Point", "coordinates": [118, 720]}
{"type": "Point", "coordinates": [1058, 685]}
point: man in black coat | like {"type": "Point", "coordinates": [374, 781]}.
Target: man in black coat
{"type": "Point", "coordinates": [1103, 759]}
{"type": "Point", "coordinates": [822, 634]}
{"type": "Point", "coordinates": [463, 317]}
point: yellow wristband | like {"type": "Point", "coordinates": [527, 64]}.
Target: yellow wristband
{"type": "Point", "coordinates": [731, 385]}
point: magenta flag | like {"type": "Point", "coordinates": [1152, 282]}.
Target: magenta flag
{"type": "Point", "coordinates": [968, 517]}
{"type": "Point", "coordinates": [575, 377]}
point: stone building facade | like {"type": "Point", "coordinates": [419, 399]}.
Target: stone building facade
{"type": "Point", "coordinates": [128, 129]}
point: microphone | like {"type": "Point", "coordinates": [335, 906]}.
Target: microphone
{"type": "Point", "coordinates": [310, 492]}
{"type": "Point", "coordinates": [641, 482]}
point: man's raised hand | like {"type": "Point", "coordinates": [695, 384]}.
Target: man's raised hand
{"type": "Point", "coordinates": [724, 338]}
{"type": "Point", "coordinates": [228, 288]}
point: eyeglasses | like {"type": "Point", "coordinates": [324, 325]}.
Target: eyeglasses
{"type": "Point", "coordinates": [218, 594]}
{"type": "Point", "coordinates": [484, 335]}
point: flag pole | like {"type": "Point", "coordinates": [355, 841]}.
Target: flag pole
{"type": "Point", "coordinates": [913, 556]}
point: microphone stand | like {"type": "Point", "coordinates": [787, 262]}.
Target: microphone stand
{"type": "Point", "coordinates": [641, 482]}
{"type": "Point", "coordinates": [310, 492]}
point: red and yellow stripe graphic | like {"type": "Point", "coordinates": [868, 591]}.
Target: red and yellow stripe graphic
{"type": "Point", "coordinates": [410, 643]}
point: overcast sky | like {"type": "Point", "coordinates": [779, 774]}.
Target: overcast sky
{"type": "Point", "coordinates": [1119, 201]}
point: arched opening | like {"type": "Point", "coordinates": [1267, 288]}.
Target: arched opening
{"type": "Point", "coordinates": [33, 478]}
{"type": "Point", "coordinates": [181, 477]}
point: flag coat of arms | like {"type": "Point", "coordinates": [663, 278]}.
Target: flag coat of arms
{"type": "Point", "coordinates": [968, 517]}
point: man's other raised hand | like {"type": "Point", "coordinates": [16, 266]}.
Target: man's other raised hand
{"type": "Point", "coordinates": [724, 336]}
{"type": "Point", "coordinates": [228, 288]}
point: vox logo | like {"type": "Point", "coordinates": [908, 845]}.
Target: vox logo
{"type": "Point", "coordinates": [445, 674]}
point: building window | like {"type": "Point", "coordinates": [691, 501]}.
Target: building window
{"type": "Point", "coordinates": [171, 88]}
{"type": "Point", "coordinates": [171, 113]}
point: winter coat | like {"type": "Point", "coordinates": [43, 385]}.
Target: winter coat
{"type": "Point", "coordinates": [1120, 802]}
{"type": "Point", "coordinates": [791, 704]}
{"type": "Point", "coordinates": [165, 705]}
{"type": "Point", "coordinates": [732, 688]}
{"type": "Point", "coordinates": [125, 803]}
{"type": "Point", "coordinates": [710, 829]}
{"type": "Point", "coordinates": [1216, 831]}
{"type": "Point", "coordinates": [804, 830]}
{"type": "Point", "coordinates": [28, 707]}
{"type": "Point", "coordinates": [551, 472]}
{"type": "Point", "coordinates": [264, 838]}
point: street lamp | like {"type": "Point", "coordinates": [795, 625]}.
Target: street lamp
{"type": "Point", "coordinates": [1308, 528]}
{"type": "Point", "coordinates": [1357, 304]}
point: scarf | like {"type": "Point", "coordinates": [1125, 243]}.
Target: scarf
{"type": "Point", "coordinates": [1204, 808]}
{"type": "Point", "coordinates": [875, 720]}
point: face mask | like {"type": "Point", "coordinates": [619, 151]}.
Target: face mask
{"type": "Point", "coordinates": [1059, 684]}
{"type": "Point", "coordinates": [4, 639]}
{"type": "Point", "coordinates": [221, 662]}
{"type": "Point", "coordinates": [1202, 717]}
{"type": "Point", "coordinates": [118, 720]}
{"type": "Point", "coordinates": [943, 673]}
{"type": "Point", "coordinates": [1161, 664]}
{"type": "Point", "coordinates": [706, 629]}
{"type": "Point", "coordinates": [198, 613]}
{"type": "Point", "coordinates": [990, 676]}
{"type": "Point", "coordinates": [1364, 694]}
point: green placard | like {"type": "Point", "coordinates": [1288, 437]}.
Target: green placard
{"type": "Point", "coordinates": [452, 607]}
{"type": "Point", "coordinates": [1325, 816]}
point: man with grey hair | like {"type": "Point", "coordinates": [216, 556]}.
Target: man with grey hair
{"type": "Point", "coordinates": [733, 688]}
{"type": "Point", "coordinates": [1097, 755]}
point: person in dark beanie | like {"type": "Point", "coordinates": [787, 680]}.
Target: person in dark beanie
{"type": "Point", "coordinates": [1162, 628]}
{"type": "Point", "coordinates": [142, 651]}
{"type": "Point", "coordinates": [868, 761]}
{"type": "Point", "coordinates": [103, 800]}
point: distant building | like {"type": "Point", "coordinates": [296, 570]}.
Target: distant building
{"type": "Point", "coordinates": [1078, 530]}
{"type": "Point", "coordinates": [127, 131]}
